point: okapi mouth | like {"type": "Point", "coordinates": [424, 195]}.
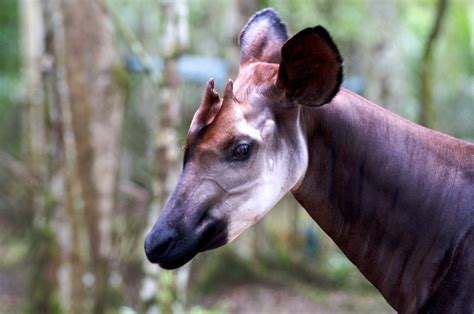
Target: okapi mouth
{"type": "Point", "coordinates": [218, 240]}
{"type": "Point", "coordinates": [172, 248]}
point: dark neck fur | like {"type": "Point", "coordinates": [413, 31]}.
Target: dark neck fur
{"type": "Point", "coordinates": [382, 188]}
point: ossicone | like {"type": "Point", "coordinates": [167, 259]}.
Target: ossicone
{"type": "Point", "coordinates": [229, 91]}
{"type": "Point", "coordinates": [206, 112]}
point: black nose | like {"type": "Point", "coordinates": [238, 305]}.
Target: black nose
{"type": "Point", "coordinates": [158, 243]}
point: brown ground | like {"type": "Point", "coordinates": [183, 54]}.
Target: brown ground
{"type": "Point", "coordinates": [247, 298]}
{"type": "Point", "coordinates": [251, 298]}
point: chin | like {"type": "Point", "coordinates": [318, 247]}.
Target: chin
{"type": "Point", "coordinates": [172, 265]}
{"type": "Point", "coordinates": [181, 261]}
{"type": "Point", "coordinates": [176, 262]}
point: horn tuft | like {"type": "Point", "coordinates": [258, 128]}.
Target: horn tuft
{"type": "Point", "coordinates": [211, 83]}
{"type": "Point", "coordinates": [229, 90]}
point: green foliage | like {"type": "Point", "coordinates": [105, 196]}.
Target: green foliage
{"type": "Point", "coordinates": [200, 310]}
{"type": "Point", "coordinates": [9, 77]}
{"type": "Point", "coordinates": [343, 20]}
{"type": "Point", "coordinates": [115, 296]}
{"type": "Point", "coordinates": [126, 310]}
{"type": "Point", "coordinates": [122, 78]}
{"type": "Point", "coordinates": [339, 269]}
{"type": "Point", "coordinates": [13, 251]}
{"type": "Point", "coordinates": [9, 37]}
{"type": "Point", "coordinates": [44, 254]}
{"type": "Point", "coordinates": [9, 52]}
{"type": "Point", "coordinates": [167, 291]}
{"type": "Point", "coordinates": [10, 118]}
{"type": "Point", "coordinates": [213, 271]}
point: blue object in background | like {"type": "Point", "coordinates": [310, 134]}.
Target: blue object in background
{"type": "Point", "coordinates": [354, 83]}
{"type": "Point", "coordinates": [193, 68]}
{"type": "Point", "coordinates": [311, 242]}
{"type": "Point", "coordinates": [199, 69]}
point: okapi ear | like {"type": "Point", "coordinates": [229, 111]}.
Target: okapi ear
{"type": "Point", "coordinates": [262, 38]}
{"type": "Point", "coordinates": [311, 68]}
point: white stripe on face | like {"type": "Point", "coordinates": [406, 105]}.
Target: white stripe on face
{"type": "Point", "coordinates": [274, 173]}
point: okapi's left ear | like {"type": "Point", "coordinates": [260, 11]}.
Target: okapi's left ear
{"type": "Point", "coordinates": [311, 68]}
{"type": "Point", "coordinates": [262, 38]}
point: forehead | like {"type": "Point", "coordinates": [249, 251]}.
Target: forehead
{"type": "Point", "coordinates": [224, 126]}
{"type": "Point", "coordinates": [235, 115]}
{"type": "Point", "coordinates": [254, 75]}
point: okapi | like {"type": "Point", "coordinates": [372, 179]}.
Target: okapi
{"type": "Point", "coordinates": [397, 198]}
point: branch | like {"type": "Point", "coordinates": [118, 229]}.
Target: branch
{"type": "Point", "coordinates": [426, 116]}
{"type": "Point", "coordinates": [132, 41]}
{"type": "Point", "coordinates": [17, 169]}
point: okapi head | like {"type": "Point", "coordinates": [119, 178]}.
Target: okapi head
{"type": "Point", "coordinates": [246, 150]}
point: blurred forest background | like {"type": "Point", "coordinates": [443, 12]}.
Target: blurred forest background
{"type": "Point", "coordinates": [95, 100]}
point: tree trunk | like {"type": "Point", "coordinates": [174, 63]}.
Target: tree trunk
{"type": "Point", "coordinates": [427, 113]}
{"type": "Point", "coordinates": [385, 73]}
{"type": "Point", "coordinates": [43, 257]}
{"type": "Point", "coordinates": [63, 183]}
{"type": "Point", "coordinates": [169, 291]}
{"type": "Point", "coordinates": [92, 74]}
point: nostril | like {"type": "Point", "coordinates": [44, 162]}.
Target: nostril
{"type": "Point", "coordinates": [157, 244]}
{"type": "Point", "coordinates": [163, 245]}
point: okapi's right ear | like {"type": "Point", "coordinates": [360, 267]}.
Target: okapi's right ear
{"type": "Point", "coordinates": [262, 38]}
{"type": "Point", "coordinates": [311, 68]}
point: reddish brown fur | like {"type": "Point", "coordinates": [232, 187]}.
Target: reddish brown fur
{"type": "Point", "coordinates": [212, 125]}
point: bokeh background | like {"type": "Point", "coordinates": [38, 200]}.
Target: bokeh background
{"type": "Point", "coordinates": [95, 100]}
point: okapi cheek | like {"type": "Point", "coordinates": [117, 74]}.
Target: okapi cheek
{"type": "Point", "coordinates": [257, 203]}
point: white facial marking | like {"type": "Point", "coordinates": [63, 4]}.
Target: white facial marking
{"type": "Point", "coordinates": [249, 202]}
{"type": "Point", "coordinates": [254, 204]}
{"type": "Point", "coordinates": [271, 163]}
{"type": "Point", "coordinates": [302, 153]}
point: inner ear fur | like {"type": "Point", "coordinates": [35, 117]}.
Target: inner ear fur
{"type": "Point", "coordinates": [311, 70]}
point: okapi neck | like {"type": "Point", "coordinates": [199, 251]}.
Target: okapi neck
{"type": "Point", "coordinates": [379, 186]}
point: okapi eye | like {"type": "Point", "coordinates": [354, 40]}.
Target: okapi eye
{"type": "Point", "coordinates": [241, 151]}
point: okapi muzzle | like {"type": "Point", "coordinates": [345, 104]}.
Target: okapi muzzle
{"type": "Point", "coordinates": [185, 227]}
